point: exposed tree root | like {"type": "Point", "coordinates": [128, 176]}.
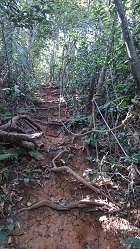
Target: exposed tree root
{"type": "Point", "coordinates": [48, 123]}
{"type": "Point", "coordinates": [77, 204]}
{"type": "Point", "coordinates": [79, 178]}
{"type": "Point", "coordinates": [15, 133]}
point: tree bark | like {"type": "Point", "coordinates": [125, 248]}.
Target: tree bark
{"type": "Point", "coordinates": [88, 108]}
{"type": "Point", "coordinates": [31, 37]}
{"type": "Point", "coordinates": [131, 50]}
{"type": "Point", "coordinates": [15, 133]}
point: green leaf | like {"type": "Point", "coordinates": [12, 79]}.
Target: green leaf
{"type": "Point", "coordinates": [89, 173]}
{"type": "Point", "coordinates": [32, 171]}
{"type": "Point", "coordinates": [135, 242]}
{"type": "Point", "coordinates": [91, 177]}
{"type": "Point", "coordinates": [26, 180]}
{"type": "Point", "coordinates": [36, 171]}
{"type": "Point", "coordinates": [3, 236]}
{"type": "Point", "coordinates": [17, 224]}
{"type": "Point", "coordinates": [122, 66]}
{"type": "Point", "coordinates": [5, 174]}
{"type": "Point", "coordinates": [36, 154]}
{"type": "Point", "coordinates": [8, 153]}
{"type": "Point", "coordinates": [90, 158]}
{"type": "Point", "coordinates": [1, 198]}
{"type": "Point", "coordinates": [123, 103]}
{"type": "Point", "coordinates": [37, 7]}
{"type": "Point", "coordinates": [10, 220]}
{"type": "Point", "coordinates": [11, 227]}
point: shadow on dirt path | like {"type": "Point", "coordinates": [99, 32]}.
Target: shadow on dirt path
{"type": "Point", "coordinates": [92, 227]}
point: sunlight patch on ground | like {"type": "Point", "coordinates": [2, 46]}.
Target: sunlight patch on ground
{"type": "Point", "coordinates": [115, 223]}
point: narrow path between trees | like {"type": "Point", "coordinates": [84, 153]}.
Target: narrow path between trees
{"type": "Point", "coordinates": [60, 208]}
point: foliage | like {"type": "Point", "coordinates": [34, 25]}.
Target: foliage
{"type": "Point", "coordinates": [5, 174]}
{"type": "Point", "coordinates": [134, 158]}
{"type": "Point", "coordinates": [135, 242]}
{"type": "Point", "coordinates": [3, 236]}
{"type": "Point", "coordinates": [6, 230]}
{"type": "Point", "coordinates": [28, 175]}
{"type": "Point", "coordinates": [93, 174]}
{"type": "Point", "coordinates": [54, 39]}
{"type": "Point", "coordinates": [4, 113]}
{"type": "Point", "coordinates": [36, 154]}
{"type": "Point", "coordinates": [91, 139]}
{"type": "Point", "coordinates": [89, 173]}
{"type": "Point", "coordinates": [14, 92]}
{"type": "Point", "coordinates": [24, 15]}
{"type": "Point", "coordinates": [11, 153]}
{"type": "Point", "coordinates": [76, 119]}
{"type": "Point", "coordinates": [14, 153]}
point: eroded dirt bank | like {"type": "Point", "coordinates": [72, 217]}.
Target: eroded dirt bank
{"type": "Point", "coordinates": [75, 229]}
{"type": "Point", "coordinates": [90, 227]}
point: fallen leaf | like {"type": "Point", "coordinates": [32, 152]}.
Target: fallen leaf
{"type": "Point", "coordinates": [29, 204]}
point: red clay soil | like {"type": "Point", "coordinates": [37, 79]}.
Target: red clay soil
{"type": "Point", "coordinates": [92, 227]}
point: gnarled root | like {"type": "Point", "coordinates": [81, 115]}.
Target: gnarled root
{"type": "Point", "coordinates": [79, 178]}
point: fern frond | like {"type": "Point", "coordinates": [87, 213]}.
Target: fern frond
{"type": "Point", "coordinates": [8, 153]}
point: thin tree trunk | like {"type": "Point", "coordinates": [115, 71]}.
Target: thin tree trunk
{"type": "Point", "coordinates": [52, 62]}
{"type": "Point", "coordinates": [98, 95]}
{"type": "Point", "coordinates": [31, 37]}
{"type": "Point", "coordinates": [131, 50]}
{"type": "Point", "coordinates": [7, 35]}
{"type": "Point", "coordinates": [103, 72]}
{"type": "Point", "coordinates": [88, 108]}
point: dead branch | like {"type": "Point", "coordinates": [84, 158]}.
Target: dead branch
{"type": "Point", "coordinates": [22, 140]}
{"type": "Point", "coordinates": [17, 136]}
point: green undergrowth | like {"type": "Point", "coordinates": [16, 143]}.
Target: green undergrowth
{"type": "Point", "coordinates": [6, 230]}
{"type": "Point", "coordinates": [12, 175]}
{"type": "Point", "coordinates": [134, 242]}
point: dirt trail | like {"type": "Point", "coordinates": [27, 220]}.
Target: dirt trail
{"type": "Point", "coordinates": [46, 228]}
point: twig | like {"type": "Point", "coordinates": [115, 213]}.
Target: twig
{"type": "Point", "coordinates": [89, 132]}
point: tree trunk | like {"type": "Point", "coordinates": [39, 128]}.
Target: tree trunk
{"type": "Point", "coordinates": [88, 108]}
{"type": "Point", "coordinates": [131, 50]}
{"type": "Point", "coordinates": [7, 37]}
{"type": "Point", "coordinates": [52, 62]}
{"type": "Point", "coordinates": [31, 37]}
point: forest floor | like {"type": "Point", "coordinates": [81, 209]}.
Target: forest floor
{"type": "Point", "coordinates": [48, 226]}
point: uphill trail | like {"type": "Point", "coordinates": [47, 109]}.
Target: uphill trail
{"type": "Point", "coordinates": [56, 111]}
{"type": "Point", "coordinates": [64, 220]}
